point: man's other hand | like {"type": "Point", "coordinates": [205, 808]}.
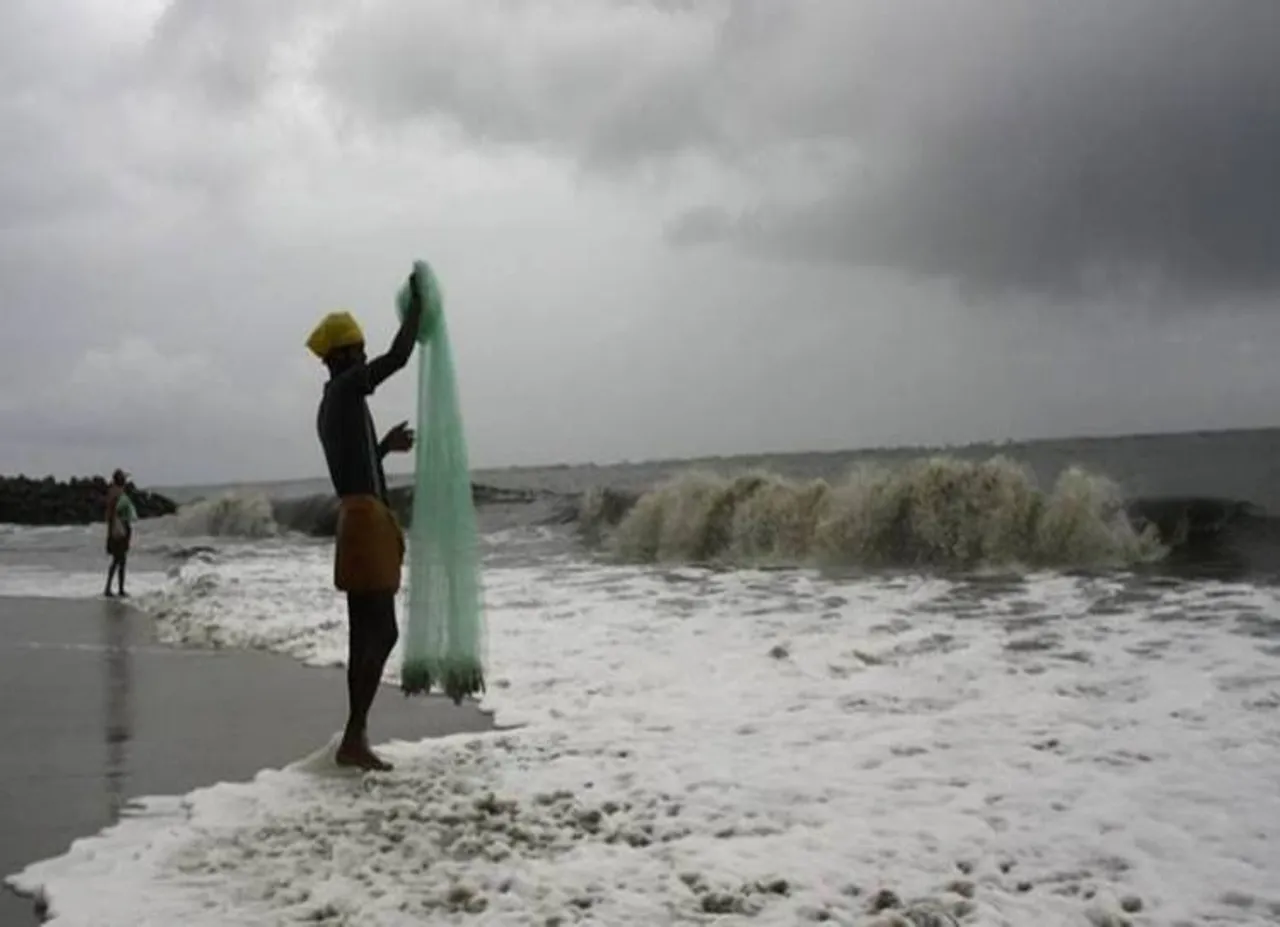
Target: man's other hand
{"type": "Point", "coordinates": [399, 439]}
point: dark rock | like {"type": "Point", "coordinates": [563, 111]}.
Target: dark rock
{"type": "Point", "coordinates": [719, 903]}
{"type": "Point", "coordinates": [884, 900]}
{"type": "Point", "coordinates": [77, 501]}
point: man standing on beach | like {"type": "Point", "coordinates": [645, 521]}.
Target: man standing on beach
{"type": "Point", "coordinates": [120, 516]}
{"type": "Point", "coordinates": [369, 549]}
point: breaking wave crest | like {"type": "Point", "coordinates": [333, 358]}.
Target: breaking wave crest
{"type": "Point", "coordinates": [940, 512]}
{"type": "Point", "coordinates": [233, 515]}
{"type": "Point", "coordinates": [254, 515]}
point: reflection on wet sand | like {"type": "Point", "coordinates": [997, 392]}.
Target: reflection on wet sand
{"type": "Point", "coordinates": [118, 727]}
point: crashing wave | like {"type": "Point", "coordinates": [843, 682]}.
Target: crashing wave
{"type": "Point", "coordinates": [939, 512]}
{"type": "Point", "coordinates": [232, 515]}
{"type": "Point", "coordinates": [253, 515]}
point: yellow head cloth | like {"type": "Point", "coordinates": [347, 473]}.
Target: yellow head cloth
{"type": "Point", "coordinates": [336, 330]}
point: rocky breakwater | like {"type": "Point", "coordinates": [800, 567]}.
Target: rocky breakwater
{"type": "Point", "coordinates": [77, 501]}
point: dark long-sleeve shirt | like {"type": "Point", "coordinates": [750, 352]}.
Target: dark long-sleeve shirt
{"type": "Point", "coordinates": [346, 428]}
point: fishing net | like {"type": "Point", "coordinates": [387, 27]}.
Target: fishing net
{"type": "Point", "coordinates": [444, 634]}
{"type": "Point", "coordinates": [125, 510]}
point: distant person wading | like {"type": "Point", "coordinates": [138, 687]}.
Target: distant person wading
{"type": "Point", "coordinates": [369, 551]}
{"type": "Point", "coordinates": [120, 516]}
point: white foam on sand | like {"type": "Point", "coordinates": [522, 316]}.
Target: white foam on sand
{"type": "Point", "coordinates": [44, 583]}
{"type": "Point", "coordinates": [765, 746]}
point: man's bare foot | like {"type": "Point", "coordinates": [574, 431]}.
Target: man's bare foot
{"type": "Point", "coordinates": [361, 757]}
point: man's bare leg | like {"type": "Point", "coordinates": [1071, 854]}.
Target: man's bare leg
{"type": "Point", "coordinates": [372, 635]}
{"type": "Point", "coordinates": [111, 575]}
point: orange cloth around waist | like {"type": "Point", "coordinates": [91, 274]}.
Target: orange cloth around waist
{"type": "Point", "coordinates": [369, 552]}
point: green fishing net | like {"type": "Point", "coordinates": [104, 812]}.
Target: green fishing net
{"type": "Point", "coordinates": [125, 510]}
{"type": "Point", "coordinates": [444, 634]}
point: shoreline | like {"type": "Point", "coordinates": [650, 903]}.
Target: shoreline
{"type": "Point", "coordinates": [106, 713]}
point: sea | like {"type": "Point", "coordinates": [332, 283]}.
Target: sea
{"type": "Point", "coordinates": [1026, 683]}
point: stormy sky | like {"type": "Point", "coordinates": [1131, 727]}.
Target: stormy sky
{"type": "Point", "coordinates": [664, 227]}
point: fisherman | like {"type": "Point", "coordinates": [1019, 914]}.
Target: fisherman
{"type": "Point", "coordinates": [120, 516]}
{"type": "Point", "coordinates": [369, 549]}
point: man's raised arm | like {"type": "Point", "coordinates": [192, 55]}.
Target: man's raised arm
{"type": "Point", "coordinates": [402, 344]}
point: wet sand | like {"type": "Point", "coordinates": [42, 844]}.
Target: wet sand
{"type": "Point", "coordinates": [96, 713]}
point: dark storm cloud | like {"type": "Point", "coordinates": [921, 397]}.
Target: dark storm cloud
{"type": "Point", "coordinates": [1062, 148]}
{"type": "Point", "coordinates": [1137, 147]}
{"type": "Point", "coordinates": [186, 185]}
